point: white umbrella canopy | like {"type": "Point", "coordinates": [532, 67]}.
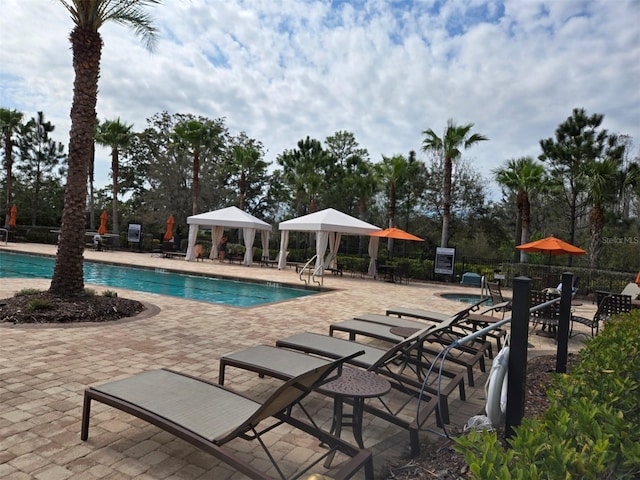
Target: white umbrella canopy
{"type": "Point", "coordinates": [329, 224]}
{"type": "Point", "coordinates": [329, 220]}
{"type": "Point", "coordinates": [231, 217]}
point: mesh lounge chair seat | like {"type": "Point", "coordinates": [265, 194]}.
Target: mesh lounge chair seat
{"type": "Point", "coordinates": [465, 355]}
{"type": "Point", "coordinates": [209, 416]}
{"type": "Point", "coordinates": [282, 363]}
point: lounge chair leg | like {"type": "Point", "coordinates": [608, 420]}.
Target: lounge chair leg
{"type": "Point", "coordinates": [414, 439]}
{"type": "Point", "coordinates": [86, 412]}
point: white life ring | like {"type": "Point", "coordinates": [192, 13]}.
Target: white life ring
{"type": "Point", "coordinates": [496, 388]}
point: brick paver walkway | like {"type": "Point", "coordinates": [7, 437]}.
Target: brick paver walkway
{"type": "Point", "coordinates": [44, 370]}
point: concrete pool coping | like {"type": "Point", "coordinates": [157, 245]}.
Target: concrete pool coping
{"type": "Point", "coordinates": [43, 372]}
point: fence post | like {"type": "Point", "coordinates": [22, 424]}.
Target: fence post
{"type": "Point", "coordinates": [517, 373]}
{"type": "Point", "coordinates": [563, 322]}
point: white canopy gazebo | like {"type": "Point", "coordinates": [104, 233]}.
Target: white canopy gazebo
{"type": "Point", "coordinates": [329, 225]}
{"type": "Point", "coordinates": [231, 217]}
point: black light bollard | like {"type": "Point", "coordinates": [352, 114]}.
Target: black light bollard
{"type": "Point", "coordinates": [517, 373]}
{"type": "Point", "coordinates": [563, 322]}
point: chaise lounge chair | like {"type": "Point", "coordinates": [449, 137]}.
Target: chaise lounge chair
{"type": "Point", "coordinates": [284, 362]}
{"type": "Point", "coordinates": [209, 416]}
{"type": "Point", "coordinates": [470, 318]}
{"type": "Point", "coordinates": [467, 355]}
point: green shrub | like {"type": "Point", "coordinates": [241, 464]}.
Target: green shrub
{"type": "Point", "coordinates": [39, 304]}
{"type": "Point", "coordinates": [27, 291]}
{"type": "Point", "coordinates": [591, 429]}
{"type": "Point", "coordinates": [109, 293]}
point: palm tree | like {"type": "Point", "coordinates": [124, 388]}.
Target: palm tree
{"type": "Point", "coordinates": [455, 137]}
{"type": "Point", "coordinates": [247, 161]}
{"type": "Point", "coordinates": [10, 122]}
{"type": "Point", "coordinates": [197, 136]}
{"type": "Point", "coordinates": [86, 45]}
{"type": "Point", "coordinates": [523, 176]}
{"type": "Point", "coordinates": [118, 136]}
{"type": "Point", "coordinates": [394, 173]}
{"type": "Point", "coordinates": [602, 180]}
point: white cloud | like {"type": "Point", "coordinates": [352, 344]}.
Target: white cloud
{"type": "Point", "coordinates": [385, 70]}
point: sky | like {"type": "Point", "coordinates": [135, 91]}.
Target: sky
{"type": "Point", "coordinates": [281, 70]}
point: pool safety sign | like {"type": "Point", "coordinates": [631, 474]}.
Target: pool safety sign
{"type": "Point", "coordinates": [135, 230]}
{"type": "Point", "coordinates": [445, 258]}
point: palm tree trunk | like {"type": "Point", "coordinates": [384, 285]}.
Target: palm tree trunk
{"type": "Point", "coordinates": [68, 272]}
{"type": "Point", "coordinates": [596, 224]}
{"type": "Point", "coordinates": [92, 209]}
{"type": "Point", "coordinates": [446, 211]}
{"type": "Point", "coordinates": [196, 174]}
{"type": "Point", "coordinates": [8, 148]}
{"type": "Point", "coordinates": [115, 168]}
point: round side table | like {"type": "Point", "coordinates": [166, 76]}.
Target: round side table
{"type": "Point", "coordinates": [357, 384]}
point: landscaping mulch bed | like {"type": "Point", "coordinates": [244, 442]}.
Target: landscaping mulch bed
{"type": "Point", "coordinates": [441, 461]}
{"type": "Point", "coordinates": [45, 307]}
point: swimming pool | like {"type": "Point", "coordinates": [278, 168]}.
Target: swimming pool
{"type": "Point", "coordinates": [466, 298]}
{"type": "Point", "coordinates": [234, 293]}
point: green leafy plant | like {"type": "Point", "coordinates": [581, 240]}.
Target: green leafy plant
{"type": "Point", "coordinates": [109, 293]}
{"type": "Point", "coordinates": [27, 291]}
{"type": "Point", "coordinates": [590, 430]}
{"type": "Point", "coordinates": [39, 304]}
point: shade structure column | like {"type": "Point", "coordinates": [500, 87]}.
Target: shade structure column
{"type": "Point", "coordinates": [284, 244]}
{"type": "Point", "coordinates": [216, 235]}
{"type": "Point", "coordinates": [322, 239]}
{"type": "Point", "coordinates": [374, 244]}
{"type": "Point", "coordinates": [193, 236]}
{"type": "Point", "coordinates": [249, 235]}
{"type": "Point", "coordinates": [334, 245]}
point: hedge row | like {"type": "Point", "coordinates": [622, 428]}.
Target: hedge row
{"type": "Point", "coordinates": [592, 427]}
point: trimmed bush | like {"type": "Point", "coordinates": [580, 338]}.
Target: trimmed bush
{"type": "Point", "coordinates": [592, 427]}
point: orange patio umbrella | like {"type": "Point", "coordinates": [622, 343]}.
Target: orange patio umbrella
{"type": "Point", "coordinates": [169, 233]}
{"type": "Point", "coordinates": [396, 234]}
{"type": "Point", "coordinates": [552, 246]}
{"type": "Point", "coordinates": [103, 222]}
{"type": "Point", "coordinates": [13, 214]}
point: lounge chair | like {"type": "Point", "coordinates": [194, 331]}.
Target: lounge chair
{"type": "Point", "coordinates": [611, 304]}
{"type": "Point", "coordinates": [209, 416]}
{"type": "Point", "coordinates": [283, 363]}
{"type": "Point", "coordinates": [498, 302]}
{"type": "Point", "coordinates": [467, 355]}
{"type": "Point", "coordinates": [469, 318]}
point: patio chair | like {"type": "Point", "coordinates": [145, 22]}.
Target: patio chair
{"type": "Point", "coordinates": [209, 416]}
{"type": "Point", "coordinates": [292, 353]}
{"type": "Point", "coordinates": [402, 273]}
{"type": "Point", "coordinates": [609, 305]}
{"type": "Point", "coordinates": [548, 317]}
{"type": "Point", "coordinates": [467, 355]}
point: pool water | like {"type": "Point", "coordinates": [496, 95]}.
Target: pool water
{"type": "Point", "coordinates": [466, 298]}
{"type": "Point", "coordinates": [195, 287]}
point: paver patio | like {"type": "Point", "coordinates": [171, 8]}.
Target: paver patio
{"type": "Point", "coordinates": [44, 370]}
